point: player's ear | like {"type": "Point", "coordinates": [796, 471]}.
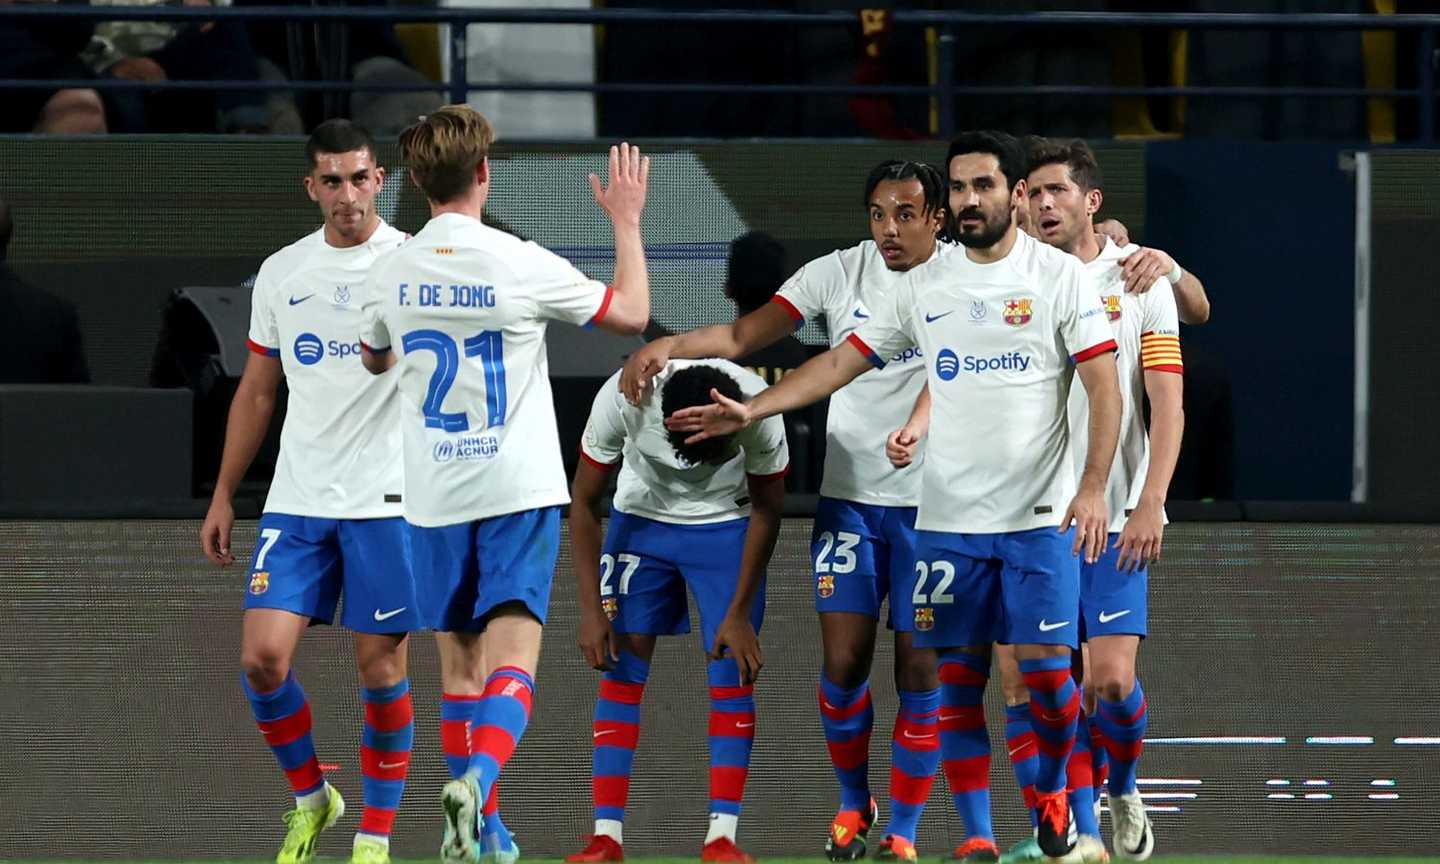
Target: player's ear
{"type": "Point", "coordinates": [482, 172]}
{"type": "Point", "coordinates": [309, 183]}
{"type": "Point", "coordinates": [379, 176]}
{"type": "Point", "coordinates": [1093, 199]}
{"type": "Point", "coordinates": [1017, 195]}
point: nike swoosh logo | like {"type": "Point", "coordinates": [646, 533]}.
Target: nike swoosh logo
{"type": "Point", "coordinates": [294, 302]}
{"type": "Point", "coordinates": [1046, 627]}
{"type": "Point", "coordinates": [931, 319]}
{"type": "Point", "coordinates": [1107, 618]}
{"type": "Point", "coordinates": [744, 725]}
{"type": "Point", "coordinates": [1017, 750]}
{"type": "Point", "coordinates": [385, 616]}
{"type": "Point", "coordinates": [392, 764]}
{"type": "Point", "coordinates": [918, 737]}
{"type": "Point", "coordinates": [944, 717]}
{"type": "Point", "coordinates": [604, 732]}
{"type": "Point", "coordinates": [859, 314]}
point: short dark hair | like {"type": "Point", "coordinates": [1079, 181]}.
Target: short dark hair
{"type": "Point", "coordinates": [1073, 154]}
{"type": "Point", "coordinates": [1002, 145]}
{"type": "Point", "coordinates": [932, 183]}
{"type": "Point", "coordinates": [687, 388]}
{"type": "Point", "coordinates": [755, 271]}
{"type": "Point", "coordinates": [338, 136]}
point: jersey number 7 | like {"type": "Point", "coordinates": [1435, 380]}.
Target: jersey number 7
{"type": "Point", "coordinates": [489, 347]}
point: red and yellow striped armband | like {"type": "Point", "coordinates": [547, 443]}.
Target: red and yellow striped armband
{"type": "Point", "coordinates": [1161, 352]}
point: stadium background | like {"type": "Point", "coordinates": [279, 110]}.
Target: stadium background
{"type": "Point", "coordinates": [1290, 637]}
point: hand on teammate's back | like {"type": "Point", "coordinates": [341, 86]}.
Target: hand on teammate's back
{"type": "Point", "coordinates": [1143, 269]}
{"type": "Point", "coordinates": [623, 197]}
{"type": "Point", "coordinates": [642, 367]}
{"type": "Point", "coordinates": [724, 417]}
{"type": "Point", "coordinates": [215, 533]}
{"type": "Point", "coordinates": [1115, 230]}
{"type": "Point", "coordinates": [1092, 524]}
{"type": "Point", "coordinates": [737, 635]}
{"type": "Point", "coordinates": [598, 643]}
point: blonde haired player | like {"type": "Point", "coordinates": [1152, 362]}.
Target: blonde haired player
{"type": "Point", "coordinates": [460, 311]}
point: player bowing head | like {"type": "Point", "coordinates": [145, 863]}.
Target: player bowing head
{"type": "Point", "coordinates": [703, 516]}
{"type": "Point", "coordinates": [906, 205]}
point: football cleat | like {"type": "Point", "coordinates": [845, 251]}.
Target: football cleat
{"type": "Point", "coordinates": [368, 850]}
{"type": "Point", "coordinates": [1087, 850]}
{"type": "Point", "coordinates": [848, 832]}
{"type": "Point", "coordinates": [724, 851]}
{"type": "Point", "coordinates": [894, 848]}
{"type": "Point", "coordinates": [977, 850]}
{"type": "Point", "coordinates": [1130, 830]}
{"type": "Point", "coordinates": [1027, 851]}
{"type": "Point", "coordinates": [491, 853]}
{"type": "Point", "coordinates": [1053, 831]}
{"type": "Point", "coordinates": [303, 827]}
{"type": "Point", "coordinates": [461, 800]}
{"type": "Point", "coordinates": [598, 848]}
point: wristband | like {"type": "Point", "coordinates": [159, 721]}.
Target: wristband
{"type": "Point", "coordinates": [1176, 275]}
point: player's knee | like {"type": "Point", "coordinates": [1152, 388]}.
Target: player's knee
{"type": "Point", "coordinates": [379, 669]}
{"type": "Point", "coordinates": [265, 667]}
{"type": "Point", "coordinates": [1112, 681]}
{"type": "Point", "coordinates": [916, 669]}
{"type": "Point", "coordinates": [846, 666]}
{"type": "Point", "coordinates": [1016, 693]}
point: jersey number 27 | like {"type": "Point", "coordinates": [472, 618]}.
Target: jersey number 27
{"type": "Point", "coordinates": [489, 347]}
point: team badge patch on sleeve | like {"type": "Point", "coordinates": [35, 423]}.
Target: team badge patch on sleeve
{"type": "Point", "coordinates": [1017, 311]}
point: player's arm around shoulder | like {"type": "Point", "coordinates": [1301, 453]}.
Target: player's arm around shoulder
{"type": "Point", "coordinates": [1145, 267]}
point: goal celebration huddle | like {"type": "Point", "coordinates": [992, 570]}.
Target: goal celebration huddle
{"type": "Point", "coordinates": [1005, 385]}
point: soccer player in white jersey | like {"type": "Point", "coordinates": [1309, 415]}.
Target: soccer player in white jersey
{"type": "Point", "coordinates": [332, 521]}
{"type": "Point", "coordinates": [1004, 326]}
{"type": "Point", "coordinates": [460, 311]}
{"type": "Point", "coordinates": [700, 515]}
{"type": "Point", "coordinates": [1065, 192]}
{"type": "Point", "coordinates": [863, 544]}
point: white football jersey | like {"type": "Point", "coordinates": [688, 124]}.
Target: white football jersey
{"type": "Point", "coordinates": [843, 287]}
{"type": "Point", "coordinates": [465, 306]}
{"type": "Point", "coordinates": [999, 340]}
{"type": "Point", "coordinates": [340, 445]}
{"type": "Point", "coordinates": [1147, 331]}
{"type": "Point", "coordinates": [654, 481]}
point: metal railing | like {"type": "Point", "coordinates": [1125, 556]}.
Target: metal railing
{"type": "Point", "coordinates": [944, 89]}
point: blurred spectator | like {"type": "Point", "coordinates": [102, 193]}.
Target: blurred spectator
{"type": "Point", "coordinates": [42, 332]}
{"type": "Point", "coordinates": [168, 50]}
{"type": "Point", "coordinates": [363, 51]}
{"type": "Point", "coordinates": [47, 48]}
{"type": "Point", "coordinates": [756, 272]}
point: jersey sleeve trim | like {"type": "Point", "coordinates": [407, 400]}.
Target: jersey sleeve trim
{"type": "Point", "coordinates": [604, 307]}
{"type": "Point", "coordinates": [1161, 352]}
{"type": "Point", "coordinates": [854, 339]}
{"type": "Point", "coordinates": [603, 466]}
{"type": "Point", "coordinates": [795, 314]}
{"type": "Point", "coordinates": [373, 349]}
{"type": "Point", "coordinates": [263, 350]}
{"type": "Point", "coordinates": [771, 476]}
{"type": "Point", "coordinates": [1096, 350]}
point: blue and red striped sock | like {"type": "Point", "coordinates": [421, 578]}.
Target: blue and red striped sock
{"type": "Point", "coordinates": [847, 717]}
{"type": "Point", "coordinates": [1024, 757]}
{"type": "Point", "coordinates": [1099, 755]}
{"type": "Point", "coordinates": [732, 735]}
{"type": "Point", "coordinates": [914, 756]}
{"type": "Point", "coordinates": [456, 710]}
{"type": "Point", "coordinates": [1054, 707]}
{"type": "Point", "coordinates": [1124, 725]}
{"type": "Point", "coordinates": [616, 734]}
{"type": "Point", "coordinates": [385, 746]}
{"type": "Point", "coordinates": [964, 739]}
{"type": "Point", "coordinates": [1080, 783]}
{"type": "Point", "coordinates": [283, 716]}
{"type": "Point", "coordinates": [501, 714]}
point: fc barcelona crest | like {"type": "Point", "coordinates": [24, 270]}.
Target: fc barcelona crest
{"type": "Point", "coordinates": [1017, 311]}
{"type": "Point", "coordinates": [825, 585]}
{"type": "Point", "coordinates": [260, 582]}
{"type": "Point", "coordinates": [1112, 307]}
{"type": "Point", "coordinates": [610, 606]}
{"type": "Point", "coordinates": [924, 618]}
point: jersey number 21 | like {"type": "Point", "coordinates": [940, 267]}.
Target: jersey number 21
{"type": "Point", "coordinates": [489, 347]}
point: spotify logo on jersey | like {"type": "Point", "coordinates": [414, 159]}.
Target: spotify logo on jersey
{"type": "Point", "coordinates": [309, 349]}
{"type": "Point", "coordinates": [947, 365]}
